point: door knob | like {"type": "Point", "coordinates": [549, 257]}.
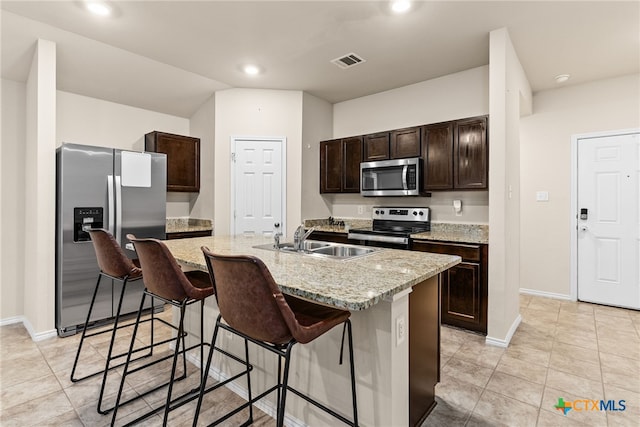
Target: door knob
{"type": "Point", "coordinates": [584, 228]}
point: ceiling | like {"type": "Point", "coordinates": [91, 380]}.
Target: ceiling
{"type": "Point", "coordinates": [170, 56]}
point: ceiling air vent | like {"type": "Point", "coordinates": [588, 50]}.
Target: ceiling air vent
{"type": "Point", "coordinates": [348, 60]}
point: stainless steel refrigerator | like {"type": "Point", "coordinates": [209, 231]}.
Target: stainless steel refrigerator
{"type": "Point", "coordinates": [98, 187]}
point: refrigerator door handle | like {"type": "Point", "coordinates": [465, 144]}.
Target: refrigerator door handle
{"type": "Point", "coordinates": [118, 209]}
{"type": "Point", "coordinates": [111, 201]}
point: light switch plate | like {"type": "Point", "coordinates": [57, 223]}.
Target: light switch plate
{"type": "Point", "coordinates": [542, 196]}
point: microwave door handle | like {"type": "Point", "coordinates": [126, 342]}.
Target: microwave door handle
{"type": "Point", "coordinates": [404, 177]}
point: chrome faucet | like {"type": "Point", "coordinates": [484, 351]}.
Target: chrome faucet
{"type": "Point", "coordinates": [276, 239]}
{"type": "Point", "coordinates": [276, 236]}
{"type": "Point", "coordinates": [300, 236]}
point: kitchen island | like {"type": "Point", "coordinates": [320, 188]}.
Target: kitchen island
{"type": "Point", "coordinates": [394, 299]}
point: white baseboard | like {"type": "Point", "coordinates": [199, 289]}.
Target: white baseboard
{"type": "Point", "coordinates": [35, 336]}
{"type": "Point", "coordinates": [264, 405]}
{"type": "Point", "coordinates": [11, 320]}
{"type": "Point", "coordinates": [505, 342]}
{"type": "Point", "coordinates": [546, 294]}
{"type": "Point", "coordinates": [38, 336]}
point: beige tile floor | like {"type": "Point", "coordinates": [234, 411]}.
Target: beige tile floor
{"type": "Point", "coordinates": [561, 349]}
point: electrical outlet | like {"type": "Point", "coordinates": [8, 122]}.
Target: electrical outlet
{"type": "Point", "coordinates": [360, 209]}
{"type": "Point", "coordinates": [401, 330]}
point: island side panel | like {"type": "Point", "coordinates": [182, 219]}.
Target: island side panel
{"type": "Point", "coordinates": [424, 348]}
{"type": "Point", "coordinates": [381, 365]}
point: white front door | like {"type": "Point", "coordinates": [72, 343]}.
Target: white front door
{"type": "Point", "coordinates": [258, 193]}
{"type": "Point", "coordinates": [608, 220]}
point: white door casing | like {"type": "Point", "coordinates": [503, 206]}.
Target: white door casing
{"type": "Point", "coordinates": [608, 229]}
{"type": "Point", "coordinates": [258, 185]}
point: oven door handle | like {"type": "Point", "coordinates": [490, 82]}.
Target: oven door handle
{"type": "Point", "coordinates": [378, 238]}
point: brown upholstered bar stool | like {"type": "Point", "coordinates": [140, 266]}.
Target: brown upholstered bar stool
{"type": "Point", "coordinates": [244, 285]}
{"type": "Point", "coordinates": [115, 265]}
{"type": "Point", "coordinates": [165, 280]}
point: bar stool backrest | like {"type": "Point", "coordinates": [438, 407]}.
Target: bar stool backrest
{"type": "Point", "coordinates": [111, 258]}
{"type": "Point", "coordinates": [250, 300]}
{"type": "Point", "coordinates": [162, 273]}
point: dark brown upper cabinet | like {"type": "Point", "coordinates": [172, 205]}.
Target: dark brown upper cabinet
{"type": "Point", "coordinates": [405, 143]}
{"type": "Point", "coordinates": [376, 147]}
{"type": "Point", "coordinates": [340, 165]}
{"type": "Point", "coordinates": [455, 155]}
{"type": "Point", "coordinates": [471, 154]}
{"type": "Point", "coordinates": [437, 156]}
{"type": "Point", "coordinates": [183, 159]}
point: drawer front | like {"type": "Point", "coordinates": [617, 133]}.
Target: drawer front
{"type": "Point", "coordinates": [468, 252]}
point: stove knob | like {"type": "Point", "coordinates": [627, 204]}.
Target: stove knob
{"type": "Point", "coordinates": [415, 213]}
{"type": "Point", "coordinates": [377, 212]}
{"type": "Point", "coordinates": [421, 213]}
{"type": "Point", "coordinates": [381, 212]}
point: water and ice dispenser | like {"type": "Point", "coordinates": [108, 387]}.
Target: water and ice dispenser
{"type": "Point", "coordinates": [86, 218]}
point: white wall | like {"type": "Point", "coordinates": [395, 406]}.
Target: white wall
{"type": "Point", "coordinates": [317, 124]}
{"type": "Point", "coordinates": [509, 93]}
{"type": "Point", "coordinates": [261, 113]}
{"type": "Point", "coordinates": [202, 125]}
{"type": "Point", "coordinates": [91, 121]}
{"type": "Point", "coordinates": [12, 199]}
{"type": "Point", "coordinates": [558, 114]}
{"type": "Point", "coordinates": [28, 178]}
{"type": "Point", "coordinates": [463, 94]}
{"type": "Point", "coordinates": [455, 96]}
{"type": "Point", "coordinates": [39, 189]}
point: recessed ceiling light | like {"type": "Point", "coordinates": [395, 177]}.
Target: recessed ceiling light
{"type": "Point", "coordinates": [561, 78]}
{"type": "Point", "coordinates": [400, 6]}
{"type": "Point", "coordinates": [251, 69]}
{"type": "Point", "coordinates": [98, 8]}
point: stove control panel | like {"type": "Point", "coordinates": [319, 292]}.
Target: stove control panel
{"type": "Point", "coordinates": [421, 214]}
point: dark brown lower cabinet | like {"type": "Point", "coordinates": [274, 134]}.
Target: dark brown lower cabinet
{"type": "Point", "coordinates": [424, 350]}
{"type": "Point", "coordinates": [188, 234]}
{"type": "Point", "coordinates": [464, 287]}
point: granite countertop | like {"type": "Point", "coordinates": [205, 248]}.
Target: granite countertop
{"type": "Point", "coordinates": [452, 232]}
{"type": "Point", "coordinates": [185, 225]}
{"type": "Point", "coordinates": [354, 284]}
{"type": "Point", "coordinates": [440, 231]}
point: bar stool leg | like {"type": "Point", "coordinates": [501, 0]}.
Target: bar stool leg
{"type": "Point", "coordinates": [175, 362]}
{"type": "Point", "coordinates": [126, 365]}
{"type": "Point", "coordinates": [202, 374]}
{"type": "Point", "coordinates": [279, 390]}
{"type": "Point", "coordinates": [113, 338]}
{"type": "Point", "coordinates": [353, 374]}
{"type": "Point", "coordinates": [285, 382]}
{"type": "Point", "coordinates": [246, 357]}
{"type": "Point", "coordinates": [84, 332]}
{"type": "Point", "coordinates": [203, 386]}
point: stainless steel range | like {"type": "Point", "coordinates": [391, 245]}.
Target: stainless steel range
{"type": "Point", "coordinates": [392, 226]}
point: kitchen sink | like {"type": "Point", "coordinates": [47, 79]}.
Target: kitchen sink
{"type": "Point", "coordinates": [307, 245]}
{"type": "Point", "coordinates": [322, 249]}
{"type": "Point", "coordinates": [343, 251]}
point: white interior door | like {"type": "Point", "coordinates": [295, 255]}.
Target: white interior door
{"type": "Point", "coordinates": [259, 196]}
{"type": "Point", "coordinates": [608, 221]}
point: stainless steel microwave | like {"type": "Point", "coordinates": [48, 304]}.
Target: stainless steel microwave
{"type": "Point", "coordinates": [399, 177]}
